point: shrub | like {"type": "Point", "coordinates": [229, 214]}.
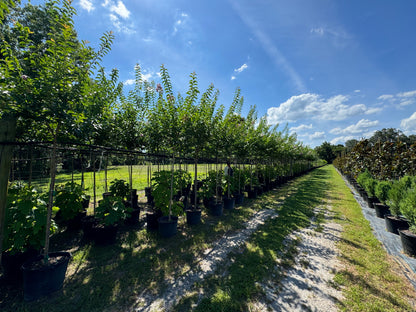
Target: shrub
{"type": "Point", "coordinates": [408, 208]}
{"type": "Point", "coordinates": [397, 192]}
{"type": "Point", "coordinates": [382, 190]}
{"type": "Point", "coordinates": [69, 199]}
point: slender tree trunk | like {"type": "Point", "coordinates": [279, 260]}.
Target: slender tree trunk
{"type": "Point", "coordinates": [7, 134]}
{"type": "Point", "coordinates": [196, 183]}
{"type": "Point", "coordinates": [50, 203]}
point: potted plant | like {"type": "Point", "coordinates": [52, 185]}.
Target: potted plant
{"type": "Point", "coordinates": [164, 184]}
{"type": "Point", "coordinates": [25, 227]}
{"type": "Point", "coordinates": [395, 221]}
{"type": "Point", "coordinates": [109, 212]}
{"type": "Point", "coordinates": [381, 192]}
{"type": "Point", "coordinates": [229, 187]}
{"type": "Point", "coordinates": [208, 193]}
{"type": "Point", "coordinates": [121, 189]}
{"type": "Point", "coordinates": [408, 209]}
{"type": "Point", "coordinates": [71, 199]}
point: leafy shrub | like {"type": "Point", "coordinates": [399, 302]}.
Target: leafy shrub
{"type": "Point", "coordinates": [162, 182]}
{"type": "Point", "coordinates": [26, 219]}
{"type": "Point", "coordinates": [367, 182]}
{"type": "Point", "coordinates": [69, 198]}
{"type": "Point", "coordinates": [382, 190]}
{"type": "Point", "coordinates": [119, 188]}
{"type": "Point", "coordinates": [111, 210]}
{"type": "Point", "coordinates": [397, 192]}
{"type": "Point", "coordinates": [408, 208]}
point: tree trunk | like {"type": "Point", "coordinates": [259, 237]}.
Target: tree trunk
{"type": "Point", "coordinates": [7, 134]}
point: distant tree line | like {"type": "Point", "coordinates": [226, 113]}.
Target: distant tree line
{"type": "Point", "coordinates": [329, 152]}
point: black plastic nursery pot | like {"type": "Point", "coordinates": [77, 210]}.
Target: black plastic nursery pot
{"type": "Point", "coordinates": [252, 194]}
{"type": "Point", "coordinates": [239, 199]}
{"type": "Point", "coordinates": [381, 210]}
{"type": "Point", "coordinates": [168, 227]}
{"type": "Point", "coordinates": [217, 209]}
{"type": "Point", "coordinates": [151, 220]}
{"type": "Point", "coordinates": [40, 280]}
{"type": "Point", "coordinates": [408, 242]}
{"type": "Point", "coordinates": [229, 203]}
{"type": "Point", "coordinates": [104, 235]}
{"type": "Point", "coordinates": [394, 224]}
{"type": "Point", "coordinates": [193, 217]}
{"type": "Point", "coordinates": [12, 263]}
{"type": "Point", "coordinates": [134, 217]}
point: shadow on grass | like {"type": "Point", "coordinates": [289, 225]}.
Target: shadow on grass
{"type": "Point", "coordinates": [234, 287]}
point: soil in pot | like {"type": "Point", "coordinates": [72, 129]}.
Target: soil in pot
{"type": "Point", "coordinates": [381, 210]}
{"type": "Point", "coordinates": [168, 227]}
{"type": "Point", "coordinates": [408, 239]}
{"type": "Point", "coordinates": [40, 279]}
{"type": "Point", "coordinates": [394, 224]}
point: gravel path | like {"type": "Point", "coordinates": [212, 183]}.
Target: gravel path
{"type": "Point", "coordinates": [306, 287]}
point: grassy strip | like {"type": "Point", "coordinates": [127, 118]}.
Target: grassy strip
{"type": "Point", "coordinates": [111, 278]}
{"type": "Point", "coordinates": [370, 278]}
{"type": "Point", "coordinates": [235, 285]}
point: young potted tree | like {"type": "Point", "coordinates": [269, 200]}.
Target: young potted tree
{"type": "Point", "coordinates": [381, 192]}
{"type": "Point", "coordinates": [408, 209]}
{"type": "Point", "coordinates": [71, 199]}
{"type": "Point", "coordinates": [121, 189]}
{"type": "Point", "coordinates": [25, 227]}
{"type": "Point", "coordinates": [164, 182]}
{"type": "Point", "coordinates": [395, 221]}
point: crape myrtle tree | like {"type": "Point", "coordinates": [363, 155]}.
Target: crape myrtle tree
{"type": "Point", "coordinates": [47, 84]}
{"type": "Point", "coordinates": [195, 117]}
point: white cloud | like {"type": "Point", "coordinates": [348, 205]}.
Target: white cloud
{"type": "Point", "coordinates": [385, 97]}
{"type": "Point", "coordinates": [241, 68]}
{"type": "Point", "coordinates": [233, 77]}
{"type": "Point", "coordinates": [120, 9]}
{"type": "Point", "coordinates": [317, 135]}
{"type": "Point", "coordinates": [338, 37]}
{"type": "Point", "coordinates": [409, 124]}
{"type": "Point", "coordinates": [129, 82]}
{"type": "Point", "coordinates": [373, 110]}
{"type": "Point", "coordinates": [300, 128]}
{"type": "Point", "coordinates": [341, 139]}
{"type": "Point", "coordinates": [180, 22]}
{"type": "Point", "coordinates": [147, 77]}
{"type": "Point", "coordinates": [357, 91]}
{"type": "Point", "coordinates": [314, 106]}
{"type": "Point", "coordinates": [401, 99]}
{"type": "Point", "coordinates": [86, 5]}
{"type": "Point", "coordinates": [407, 94]}
{"type": "Point", "coordinates": [357, 128]}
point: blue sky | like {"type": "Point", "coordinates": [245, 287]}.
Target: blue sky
{"type": "Point", "coordinates": [330, 70]}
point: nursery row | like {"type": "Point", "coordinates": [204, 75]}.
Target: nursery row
{"type": "Point", "coordinates": [222, 189]}
{"type": "Point", "coordinates": [394, 201]}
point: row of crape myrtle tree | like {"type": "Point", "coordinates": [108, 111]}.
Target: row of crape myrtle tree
{"type": "Point", "coordinates": [54, 89]}
{"type": "Point", "coordinates": [384, 175]}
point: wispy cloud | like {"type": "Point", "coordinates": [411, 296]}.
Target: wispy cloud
{"type": "Point", "coordinates": [119, 14]}
{"type": "Point", "coordinates": [241, 68]}
{"type": "Point", "coordinates": [180, 22]}
{"type": "Point", "coordinates": [300, 128]}
{"type": "Point", "coordinates": [339, 37]}
{"type": "Point", "coordinates": [401, 99]}
{"type": "Point", "coordinates": [314, 106]}
{"type": "Point", "coordinates": [239, 71]}
{"type": "Point", "coordinates": [270, 48]}
{"type": "Point", "coordinates": [87, 5]}
{"type": "Point", "coordinates": [360, 127]}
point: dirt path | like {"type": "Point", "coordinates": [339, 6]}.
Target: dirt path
{"type": "Point", "coordinates": [306, 287]}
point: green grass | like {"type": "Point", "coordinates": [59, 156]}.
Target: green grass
{"type": "Point", "coordinates": [369, 280]}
